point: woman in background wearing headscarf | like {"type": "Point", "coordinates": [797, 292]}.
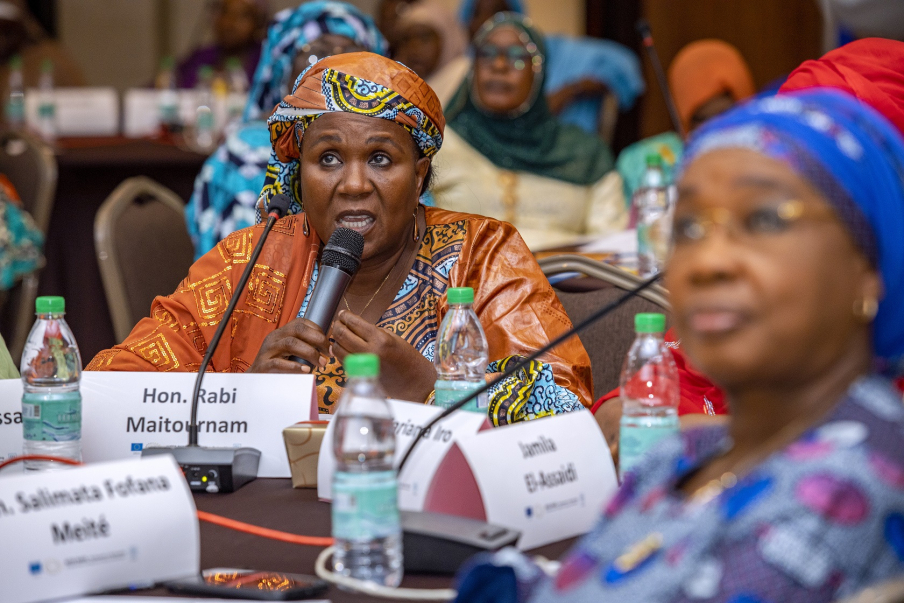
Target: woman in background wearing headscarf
{"type": "Point", "coordinates": [786, 283]}
{"type": "Point", "coordinates": [871, 69]}
{"type": "Point", "coordinates": [580, 70]}
{"type": "Point", "coordinates": [21, 35]}
{"type": "Point", "coordinates": [508, 157]}
{"type": "Point", "coordinates": [355, 142]}
{"type": "Point", "coordinates": [431, 42]}
{"type": "Point", "coordinates": [227, 189]}
{"type": "Point", "coordinates": [707, 77]}
{"type": "Point", "coordinates": [237, 29]}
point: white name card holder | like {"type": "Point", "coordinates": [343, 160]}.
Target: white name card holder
{"type": "Point", "coordinates": [140, 112]}
{"type": "Point", "coordinates": [548, 478]}
{"type": "Point", "coordinates": [409, 419]}
{"type": "Point", "coordinates": [122, 413]}
{"type": "Point", "coordinates": [83, 111]}
{"type": "Point", "coordinates": [95, 528]}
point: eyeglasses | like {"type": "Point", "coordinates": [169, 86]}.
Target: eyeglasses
{"type": "Point", "coordinates": [515, 55]}
{"type": "Point", "coordinates": [757, 225]}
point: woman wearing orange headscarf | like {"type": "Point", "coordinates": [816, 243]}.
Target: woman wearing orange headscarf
{"type": "Point", "coordinates": [366, 130]}
{"type": "Point", "coordinates": [707, 77]}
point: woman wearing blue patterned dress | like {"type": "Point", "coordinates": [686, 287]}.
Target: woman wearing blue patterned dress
{"type": "Point", "coordinates": [787, 282]}
{"type": "Point", "coordinates": [227, 188]}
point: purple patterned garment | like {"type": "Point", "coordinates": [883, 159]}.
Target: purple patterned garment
{"type": "Point", "coordinates": [819, 520]}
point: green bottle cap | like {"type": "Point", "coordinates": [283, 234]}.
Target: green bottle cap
{"type": "Point", "coordinates": [205, 72]}
{"type": "Point", "coordinates": [362, 365]}
{"type": "Point", "coordinates": [649, 323]}
{"type": "Point", "coordinates": [15, 62]}
{"type": "Point", "coordinates": [233, 63]}
{"type": "Point", "coordinates": [50, 304]}
{"type": "Point", "coordinates": [654, 160]}
{"type": "Point", "coordinates": [47, 66]}
{"type": "Point", "coordinates": [460, 295]}
{"type": "Point", "coordinates": [167, 63]}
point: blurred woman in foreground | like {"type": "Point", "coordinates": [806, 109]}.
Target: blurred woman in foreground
{"type": "Point", "coordinates": [786, 283]}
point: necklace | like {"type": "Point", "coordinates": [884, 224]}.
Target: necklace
{"type": "Point", "coordinates": [364, 309]}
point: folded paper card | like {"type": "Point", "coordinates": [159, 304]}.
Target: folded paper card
{"type": "Point", "coordinates": [94, 528]}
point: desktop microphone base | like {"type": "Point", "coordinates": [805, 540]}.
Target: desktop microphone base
{"type": "Point", "coordinates": [439, 544]}
{"type": "Point", "coordinates": [213, 470]}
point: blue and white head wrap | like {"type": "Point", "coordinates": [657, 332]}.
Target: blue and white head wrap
{"type": "Point", "coordinates": [289, 31]}
{"type": "Point", "coordinates": [854, 157]}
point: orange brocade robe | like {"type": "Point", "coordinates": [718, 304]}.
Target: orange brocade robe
{"type": "Point", "coordinates": [516, 305]}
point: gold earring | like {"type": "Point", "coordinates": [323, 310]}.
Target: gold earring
{"type": "Point", "coordinates": [866, 308]}
{"type": "Point", "coordinates": [417, 235]}
{"type": "Point", "coordinates": [304, 226]}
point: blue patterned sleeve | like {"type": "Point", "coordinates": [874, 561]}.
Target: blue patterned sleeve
{"type": "Point", "coordinates": [530, 393]}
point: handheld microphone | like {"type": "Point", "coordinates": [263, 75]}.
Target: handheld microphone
{"type": "Point", "coordinates": [222, 469]}
{"type": "Point", "coordinates": [340, 261]}
{"type": "Point", "coordinates": [519, 365]}
{"type": "Point", "coordinates": [646, 35]}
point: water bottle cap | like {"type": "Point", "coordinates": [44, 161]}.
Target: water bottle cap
{"type": "Point", "coordinates": [205, 72]}
{"type": "Point", "coordinates": [15, 62]}
{"type": "Point", "coordinates": [233, 63]}
{"type": "Point", "coordinates": [167, 62]}
{"type": "Point", "coordinates": [460, 295]}
{"type": "Point", "coordinates": [654, 160]}
{"type": "Point", "coordinates": [47, 66]}
{"type": "Point", "coordinates": [50, 304]}
{"type": "Point", "coordinates": [649, 323]}
{"type": "Point", "coordinates": [362, 365]}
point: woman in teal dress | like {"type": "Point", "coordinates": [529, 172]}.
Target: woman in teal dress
{"type": "Point", "coordinates": [226, 190]}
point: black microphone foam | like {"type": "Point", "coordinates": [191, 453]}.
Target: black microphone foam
{"type": "Point", "coordinates": [279, 204]}
{"type": "Point", "coordinates": [343, 250]}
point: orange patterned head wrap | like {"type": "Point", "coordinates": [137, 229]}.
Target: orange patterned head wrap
{"type": "Point", "coordinates": [358, 82]}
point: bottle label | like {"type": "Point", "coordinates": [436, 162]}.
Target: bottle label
{"type": "Point", "coordinates": [52, 417]}
{"type": "Point", "coordinates": [450, 392]}
{"type": "Point", "coordinates": [365, 505]}
{"type": "Point", "coordinates": [639, 434]}
{"type": "Point", "coordinates": [46, 110]}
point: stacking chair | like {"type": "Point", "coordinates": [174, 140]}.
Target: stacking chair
{"type": "Point", "coordinates": [143, 248]}
{"type": "Point", "coordinates": [608, 340]}
{"type": "Point", "coordinates": [31, 167]}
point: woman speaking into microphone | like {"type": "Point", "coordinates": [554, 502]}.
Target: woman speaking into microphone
{"type": "Point", "coordinates": [352, 147]}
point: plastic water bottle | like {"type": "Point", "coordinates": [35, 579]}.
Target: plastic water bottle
{"type": "Point", "coordinates": [649, 392]}
{"type": "Point", "coordinates": [168, 99]}
{"type": "Point", "coordinates": [366, 525]}
{"type": "Point", "coordinates": [462, 353]}
{"type": "Point", "coordinates": [205, 121]}
{"type": "Point", "coordinates": [14, 111]}
{"type": "Point", "coordinates": [653, 208]}
{"type": "Point", "coordinates": [237, 91]}
{"type": "Point", "coordinates": [47, 125]}
{"type": "Point", "coordinates": [51, 403]}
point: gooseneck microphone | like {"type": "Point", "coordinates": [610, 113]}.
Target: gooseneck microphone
{"type": "Point", "coordinates": [646, 36]}
{"type": "Point", "coordinates": [340, 261]}
{"type": "Point", "coordinates": [525, 361]}
{"type": "Point", "coordinates": [222, 469]}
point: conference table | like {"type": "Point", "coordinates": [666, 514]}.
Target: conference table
{"type": "Point", "coordinates": [273, 503]}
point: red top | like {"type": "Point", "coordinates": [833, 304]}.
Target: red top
{"type": "Point", "coordinates": [699, 395]}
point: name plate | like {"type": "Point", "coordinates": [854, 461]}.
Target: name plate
{"type": "Point", "coordinates": [122, 413]}
{"type": "Point", "coordinates": [409, 419]}
{"type": "Point", "coordinates": [95, 528]}
{"type": "Point", "coordinates": [548, 478]}
{"type": "Point", "coordinates": [82, 111]}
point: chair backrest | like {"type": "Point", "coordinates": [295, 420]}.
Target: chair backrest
{"type": "Point", "coordinates": [143, 248]}
{"type": "Point", "coordinates": [31, 167]}
{"type": "Point", "coordinates": [608, 340]}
